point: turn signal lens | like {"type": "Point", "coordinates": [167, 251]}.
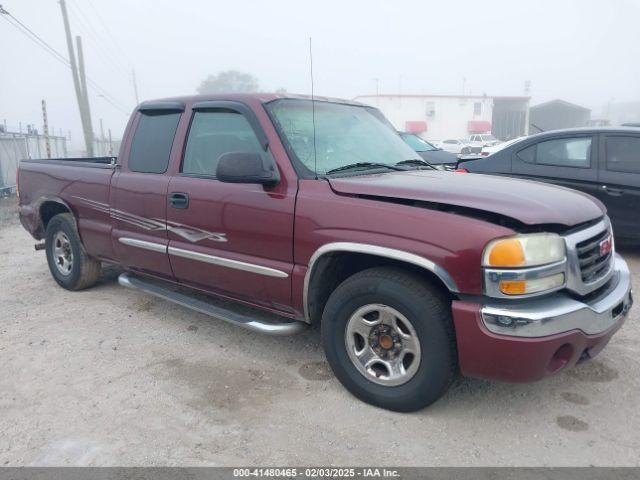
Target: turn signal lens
{"type": "Point", "coordinates": [522, 287]}
{"type": "Point", "coordinates": [513, 287]}
{"type": "Point", "coordinates": [528, 250]}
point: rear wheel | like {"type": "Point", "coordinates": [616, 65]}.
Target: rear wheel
{"type": "Point", "coordinates": [68, 261]}
{"type": "Point", "coordinates": [389, 339]}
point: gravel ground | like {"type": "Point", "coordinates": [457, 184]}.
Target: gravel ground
{"type": "Point", "coordinates": [110, 376]}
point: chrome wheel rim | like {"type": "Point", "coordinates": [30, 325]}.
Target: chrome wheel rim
{"type": "Point", "coordinates": [383, 345]}
{"type": "Point", "coordinates": [62, 254]}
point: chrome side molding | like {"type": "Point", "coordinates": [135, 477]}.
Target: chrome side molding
{"type": "Point", "coordinates": [226, 262]}
{"type": "Point", "coordinates": [153, 246]}
{"type": "Point", "coordinates": [203, 257]}
{"type": "Point", "coordinates": [375, 250]}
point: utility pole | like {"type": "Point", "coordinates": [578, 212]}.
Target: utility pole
{"type": "Point", "coordinates": [85, 93]}
{"type": "Point", "coordinates": [85, 116]}
{"type": "Point", "coordinates": [102, 139]}
{"type": "Point", "coordinates": [45, 127]}
{"type": "Point", "coordinates": [110, 144]}
{"type": "Point", "coordinates": [135, 85]}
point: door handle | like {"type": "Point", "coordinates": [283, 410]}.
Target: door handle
{"type": "Point", "coordinates": [179, 200]}
{"type": "Point", "coordinates": [614, 192]}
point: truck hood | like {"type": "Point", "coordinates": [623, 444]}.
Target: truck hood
{"type": "Point", "coordinates": [531, 203]}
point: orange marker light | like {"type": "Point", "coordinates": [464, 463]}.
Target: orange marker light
{"type": "Point", "coordinates": [513, 287]}
{"type": "Point", "coordinates": [507, 253]}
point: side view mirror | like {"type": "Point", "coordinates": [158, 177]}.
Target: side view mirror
{"type": "Point", "coordinates": [246, 167]}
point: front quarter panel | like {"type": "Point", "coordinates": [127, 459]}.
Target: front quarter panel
{"type": "Point", "coordinates": [452, 242]}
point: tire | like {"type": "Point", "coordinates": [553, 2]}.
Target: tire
{"type": "Point", "coordinates": [406, 297]}
{"type": "Point", "coordinates": [465, 151]}
{"type": "Point", "coordinates": [68, 261]}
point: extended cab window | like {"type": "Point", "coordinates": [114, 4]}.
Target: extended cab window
{"type": "Point", "coordinates": [152, 142]}
{"type": "Point", "coordinates": [561, 152]}
{"type": "Point", "coordinates": [213, 134]}
{"type": "Point", "coordinates": [623, 154]}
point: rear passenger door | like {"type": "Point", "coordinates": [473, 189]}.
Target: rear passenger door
{"type": "Point", "coordinates": [569, 161]}
{"type": "Point", "coordinates": [139, 191]}
{"type": "Point", "coordinates": [619, 178]}
{"type": "Point", "coordinates": [231, 239]}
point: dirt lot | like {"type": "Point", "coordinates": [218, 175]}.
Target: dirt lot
{"type": "Point", "coordinates": [109, 376]}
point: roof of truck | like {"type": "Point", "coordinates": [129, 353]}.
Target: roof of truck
{"type": "Point", "coordinates": [248, 98]}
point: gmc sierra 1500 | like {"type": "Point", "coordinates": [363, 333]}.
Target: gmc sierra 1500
{"type": "Point", "coordinates": [270, 214]}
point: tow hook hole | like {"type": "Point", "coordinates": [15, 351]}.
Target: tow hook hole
{"type": "Point", "coordinates": [561, 357]}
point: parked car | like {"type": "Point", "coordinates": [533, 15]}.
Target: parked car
{"type": "Point", "coordinates": [454, 145]}
{"type": "Point", "coordinates": [603, 162]}
{"type": "Point", "coordinates": [479, 141]}
{"type": "Point", "coordinates": [486, 151]}
{"type": "Point", "coordinates": [250, 209]}
{"type": "Point", "coordinates": [427, 151]}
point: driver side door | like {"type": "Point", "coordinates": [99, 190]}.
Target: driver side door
{"type": "Point", "coordinates": [230, 239]}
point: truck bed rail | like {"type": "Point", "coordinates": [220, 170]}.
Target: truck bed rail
{"type": "Point", "coordinates": [91, 162]}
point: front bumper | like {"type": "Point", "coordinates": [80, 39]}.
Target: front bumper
{"type": "Point", "coordinates": [527, 340]}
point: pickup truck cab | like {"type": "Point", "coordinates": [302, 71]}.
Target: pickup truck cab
{"type": "Point", "coordinates": [278, 212]}
{"type": "Point", "coordinates": [480, 141]}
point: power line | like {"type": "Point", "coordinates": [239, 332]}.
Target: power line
{"type": "Point", "coordinates": [91, 33]}
{"type": "Point", "coordinates": [57, 55]}
{"type": "Point", "coordinates": [107, 30]}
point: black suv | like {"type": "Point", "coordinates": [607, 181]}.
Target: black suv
{"type": "Point", "coordinates": [603, 162]}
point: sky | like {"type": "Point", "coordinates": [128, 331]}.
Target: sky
{"type": "Point", "coordinates": [585, 52]}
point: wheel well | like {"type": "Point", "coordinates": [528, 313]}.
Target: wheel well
{"type": "Point", "coordinates": [332, 269]}
{"type": "Point", "coordinates": [48, 210]}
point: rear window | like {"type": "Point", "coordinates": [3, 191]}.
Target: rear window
{"type": "Point", "coordinates": [623, 154]}
{"type": "Point", "coordinates": [152, 142]}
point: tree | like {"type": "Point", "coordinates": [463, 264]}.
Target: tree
{"type": "Point", "coordinates": [229, 81]}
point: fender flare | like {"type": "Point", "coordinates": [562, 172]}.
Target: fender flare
{"type": "Point", "coordinates": [378, 251]}
{"type": "Point", "coordinates": [53, 199]}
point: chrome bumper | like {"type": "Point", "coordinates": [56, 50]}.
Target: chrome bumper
{"type": "Point", "coordinates": [559, 312]}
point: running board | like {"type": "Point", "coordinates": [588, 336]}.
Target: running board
{"type": "Point", "coordinates": [232, 312]}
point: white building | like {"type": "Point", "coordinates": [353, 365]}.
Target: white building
{"type": "Point", "coordinates": [438, 117]}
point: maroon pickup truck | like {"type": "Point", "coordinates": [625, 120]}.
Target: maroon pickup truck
{"type": "Point", "coordinates": [278, 212]}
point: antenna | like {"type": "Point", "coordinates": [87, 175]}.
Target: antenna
{"type": "Point", "coordinates": [313, 113]}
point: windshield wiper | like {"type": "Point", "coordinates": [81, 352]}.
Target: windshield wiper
{"type": "Point", "coordinates": [417, 161]}
{"type": "Point", "coordinates": [364, 165]}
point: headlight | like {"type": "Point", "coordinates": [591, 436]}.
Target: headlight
{"type": "Point", "coordinates": [529, 250]}
{"type": "Point", "coordinates": [524, 264]}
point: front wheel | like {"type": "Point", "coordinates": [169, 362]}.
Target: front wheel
{"type": "Point", "coordinates": [389, 338]}
{"type": "Point", "coordinates": [465, 151]}
{"type": "Point", "coordinates": [68, 261]}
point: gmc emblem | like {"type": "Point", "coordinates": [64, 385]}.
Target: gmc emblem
{"type": "Point", "coordinates": [605, 246]}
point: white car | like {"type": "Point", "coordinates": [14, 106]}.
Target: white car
{"type": "Point", "coordinates": [454, 145]}
{"type": "Point", "coordinates": [486, 151]}
{"type": "Point", "coordinates": [479, 141]}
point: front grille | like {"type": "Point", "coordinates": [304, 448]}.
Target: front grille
{"type": "Point", "coordinates": [593, 264]}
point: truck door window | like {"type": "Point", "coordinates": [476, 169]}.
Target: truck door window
{"type": "Point", "coordinates": [213, 134]}
{"type": "Point", "coordinates": [622, 154]}
{"type": "Point", "coordinates": [152, 142]}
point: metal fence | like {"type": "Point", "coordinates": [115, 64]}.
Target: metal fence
{"type": "Point", "coordinates": [16, 146]}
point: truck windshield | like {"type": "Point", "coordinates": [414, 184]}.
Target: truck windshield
{"type": "Point", "coordinates": [344, 135]}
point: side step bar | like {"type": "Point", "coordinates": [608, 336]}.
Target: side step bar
{"type": "Point", "coordinates": [237, 314]}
